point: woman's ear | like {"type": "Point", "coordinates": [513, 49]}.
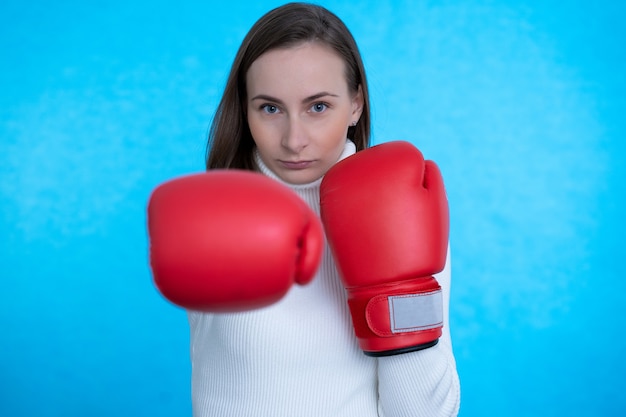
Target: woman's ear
{"type": "Point", "coordinates": [357, 105]}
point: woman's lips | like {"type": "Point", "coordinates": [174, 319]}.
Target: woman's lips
{"type": "Point", "coordinates": [296, 164]}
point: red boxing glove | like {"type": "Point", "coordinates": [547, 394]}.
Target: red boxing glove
{"type": "Point", "coordinates": [385, 213]}
{"type": "Point", "coordinates": [230, 240]}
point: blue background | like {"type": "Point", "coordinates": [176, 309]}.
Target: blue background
{"type": "Point", "coordinates": [521, 103]}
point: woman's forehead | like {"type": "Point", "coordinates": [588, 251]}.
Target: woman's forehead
{"type": "Point", "coordinates": [300, 67]}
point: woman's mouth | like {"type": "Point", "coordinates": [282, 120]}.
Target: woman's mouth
{"type": "Point", "coordinates": [296, 164]}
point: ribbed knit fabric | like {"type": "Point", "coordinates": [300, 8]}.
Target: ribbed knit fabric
{"type": "Point", "coordinates": [299, 357]}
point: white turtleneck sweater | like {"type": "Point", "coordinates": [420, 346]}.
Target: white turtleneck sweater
{"type": "Point", "coordinates": [300, 358]}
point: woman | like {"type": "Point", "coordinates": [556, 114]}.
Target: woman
{"type": "Point", "coordinates": [295, 103]}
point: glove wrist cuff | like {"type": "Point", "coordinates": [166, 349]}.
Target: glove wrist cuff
{"type": "Point", "coordinates": [398, 317]}
{"type": "Point", "coordinates": [387, 315]}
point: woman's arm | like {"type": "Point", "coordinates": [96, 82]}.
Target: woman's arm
{"type": "Point", "coordinates": [426, 382]}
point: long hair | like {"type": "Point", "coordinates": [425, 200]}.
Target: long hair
{"type": "Point", "coordinates": [230, 143]}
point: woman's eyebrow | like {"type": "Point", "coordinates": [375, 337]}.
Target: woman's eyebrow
{"type": "Point", "coordinates": [265, 97]}
{"type": "Point", "coordinates": [318, 96]}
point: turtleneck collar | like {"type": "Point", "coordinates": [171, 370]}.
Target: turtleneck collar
{"type": "Point", "coordinates": [349, 149]}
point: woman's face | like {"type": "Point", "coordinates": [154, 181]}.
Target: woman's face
{"type": "Point", "coordinates": [299, 108]}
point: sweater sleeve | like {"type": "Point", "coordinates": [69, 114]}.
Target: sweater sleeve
{"type": "Point", "coordinates": [422, 383]}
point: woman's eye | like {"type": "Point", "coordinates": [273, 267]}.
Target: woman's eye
{"type": "Point", "coordinates": [319, 107]}
{"type": "Point", "coordinates": [270, 109]}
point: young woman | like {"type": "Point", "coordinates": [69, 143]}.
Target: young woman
{"type": "Point", "coordinates": [296, 102]}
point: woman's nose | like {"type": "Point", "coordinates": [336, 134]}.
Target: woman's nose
{"type": "Point", "coordinates": [296, 137]}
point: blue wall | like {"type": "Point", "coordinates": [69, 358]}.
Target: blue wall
{"type": "Point", "coordinates": [521, 103]}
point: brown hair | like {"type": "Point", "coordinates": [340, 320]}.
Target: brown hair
{"type": "Point", "coordinates": [230, 143]}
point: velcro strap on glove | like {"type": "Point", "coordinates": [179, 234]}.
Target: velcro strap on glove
{"type": "Point", "coordinates": [389, 315]}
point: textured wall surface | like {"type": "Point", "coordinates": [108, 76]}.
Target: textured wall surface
{"type": "Point", "coordinates": [521, 103]}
